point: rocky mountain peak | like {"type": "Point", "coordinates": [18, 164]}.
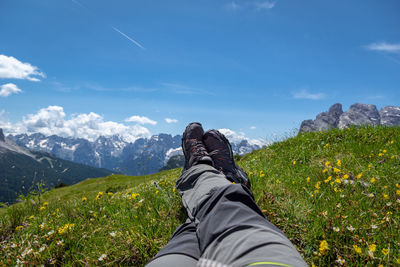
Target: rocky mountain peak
{"type": "Point", "coordinates": [324, 120]}
{"type": "Point", "coordinates": [358, 114]}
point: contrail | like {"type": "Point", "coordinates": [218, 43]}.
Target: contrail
{"type": "Point", "coordinates": [115, 29]}
{"type": "Point", "coordinates": [129, 38]}
{"type": "Point", "coordinates": [78, 3]}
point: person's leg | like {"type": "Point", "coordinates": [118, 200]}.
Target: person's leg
{"type": "Point", "coordinates": [173, 260]}
{"type": "Point", "coordinates": [232, 230]}
{"type": "Point", "coordinates": [181, 250]}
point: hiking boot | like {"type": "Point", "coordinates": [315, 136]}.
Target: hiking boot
{"type": "Point", "coordinates": [193, 147]}
{"type": "Point", "coordinates": [221, 153]}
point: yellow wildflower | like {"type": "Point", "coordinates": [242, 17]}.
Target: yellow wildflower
{"type": "Point", "coordinates": [346, 176]}
{"type": "Point", "coordinates": [110, 194]}
{"type": "Point", "coordinates": [317, 185]}
{"type": "Point", "coordinates": [134, 195]}
{"type": "Point", "coordinates": [398, 192]}
{"type": "Point", "coordinates": [42, 208]}
{"type": "Point", "coordinates": [384, 151]}
{"type": "Point", "coordinates": [32, 217]}
{"type": "Point", "coordinates": [359, 175]}
{"type": "Point", "coordinates": [324, 170]}
{"type": "Point", "coordinates": [326, 146]}
{"type": "Point", "coordinates": [45, 204]}
{"type": "Point", "coordinates": [262, 175]}
{"type": "Point", "coordinates": [370, 166]}
{"type": "Point", "coordinates": [357, 249]}
{"type": "Point", "coordinates": [391, 142]}
{"type": "Point", "coordinates": [328, 179]}
{"type": "Point", "coordinates": [157, 192]}
{"type": "Point", "coordinates": [336, 170]}
{"type": "Point", "coordinates": [323, 247]}
{"type": "Point", "coordinates": [66, 228]}
{"type": "Point", "coordinates": [308, 179]}
{"type": "Point", "coordinates": [385, 251]}
{"type": "Point", "coordinates": [84, 199]}
{"type": "Point", "coordinates": [294, 162]}
{"type": "Point", "coordinates": [18, 227]}
{"type": "Point", "coordinates": [380, 154]}
{"type": "Point", "coordinates": [398, 186]}
{"type": "Point", "coordinates": [372, 247]}
{"type": "Point", "coordinates": [372, 180]}
{"type": "Point", "coordinates": [385, 196]}
{"type": "Point", "coordinates": [335, 188]}
{"type": "Point", "coordinates": [392, 157]}
{"type": "Point", "coordinates": [338, 181]}
{"type": "Point", "coordinates": [99, 195]}
{"type": "Point", "coordinates": [339, 162]}
{"type": "Point", "coordinates": [327, 163]}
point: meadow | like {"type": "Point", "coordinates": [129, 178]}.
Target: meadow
{"type": "Point", "coordinates": [335, 194]}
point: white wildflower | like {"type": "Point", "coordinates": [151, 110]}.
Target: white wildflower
{"type": "Point", "coordinates": [350, 228]}
{"type": "Point", "coordinates": [113, 234]}
{"type": "Point", "coordinates": [50, 232]}
{"type": "Point", "coordinates": [102, 257]}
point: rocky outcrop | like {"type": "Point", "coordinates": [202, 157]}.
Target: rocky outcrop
{"type": "Point", "coordinates": [307, 126]}
{"type": "Point", "coordinates": [330, 119]}
{"type": "Point", "coordinates": [390, 116]}
{"type": "Point", "coordinates": [358, 114]}
{"type": "Point", "coordinates": [324, 120]}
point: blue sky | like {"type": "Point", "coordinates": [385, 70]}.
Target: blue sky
{"type": "Point", "coordinates": [256, 67]}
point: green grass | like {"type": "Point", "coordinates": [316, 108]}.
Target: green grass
{"type": "Point", "coordinates": [335, 194]}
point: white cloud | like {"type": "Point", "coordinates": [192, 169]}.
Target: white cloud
{"type": "Point", "coordinates": [304, 94]}
{"type": "Point", "coordinates": [169, 120]}
{"type": "Point", "coordinates": [264, 5]}
{"type": "Point", "coordinates": [12, 68]}
{"type": "Point", "coordinates": [9, 89]}
{"type": "Point", "coordinates": [141, 120]}
{"type": "Point", "coordinates": [53, 120]}
{"type": "Point", "coordinates": [253, 127]}
{"type": "Point", "coordinates": [384, 47]}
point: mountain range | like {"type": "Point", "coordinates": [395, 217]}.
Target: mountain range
{"type": "Point", "coordinates": [22, 170]}
{"type": "Point", "coordinates": [143, 156]}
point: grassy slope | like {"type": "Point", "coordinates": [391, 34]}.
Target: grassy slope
{"type": "Point", "coordinates": [335, 194]}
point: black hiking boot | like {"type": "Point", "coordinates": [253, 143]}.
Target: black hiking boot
{"type": "Point", "coordinates": [221, 153]}
{"type": "Point", "coordinates": [193, 147]}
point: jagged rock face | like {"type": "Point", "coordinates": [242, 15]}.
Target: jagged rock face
{"type": "Point", "coordinates": [330, 119]}
{"type": "Point", "coordinates": [324, 120]}
{"type": "Point", "coordinates": [2, 135]}
{"type": "Point", "coordinates": [360, 114]}
{"type": "Point", "coordinates": [307, 126]}
{"type": "Point", "coordinates": [390, 116]}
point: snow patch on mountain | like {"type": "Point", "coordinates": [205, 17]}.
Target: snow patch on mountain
{"type": "Point", "coordinates": [172, 152]}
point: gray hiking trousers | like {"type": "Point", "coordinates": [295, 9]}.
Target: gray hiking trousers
{"type": "Point", "coordinates": [225, 227]}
